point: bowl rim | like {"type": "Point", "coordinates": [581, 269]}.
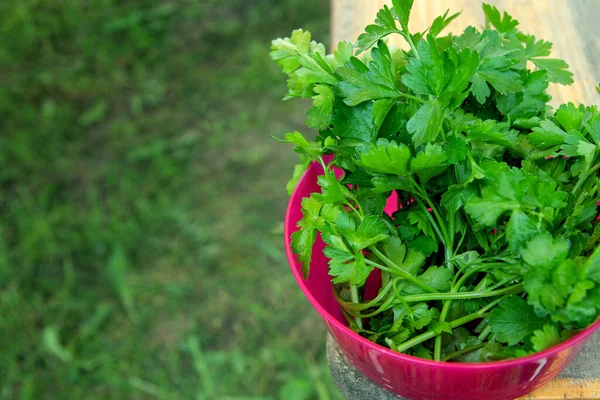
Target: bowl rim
{"type": "Point", "coordinates": [292, 259]}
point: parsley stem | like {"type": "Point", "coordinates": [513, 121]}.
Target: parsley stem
{"type": "Point", "coordinates": [461, 352]}
{"type": "Point", "coordinates": [396, 270]}
{"type": "Point", "coordinates": [379, 266]}
{"type": "Point", "coordinates": [423, 195]}
{"type": "Point", "coordinates": [448, 250]}
{"type": "Point", "coordinates": [503, 282]}
{"type": "Point", "coordinates": [437, 347]}
{"type": "Point", "coordinates": [354, 297]}
{"type": "Point", "coordinates": [472, 271]}
{"type": "Point", "coordinates": [594, 169]}
{"type": "Point", "coordinates": [363, 306]}
{"type": "Point", "coordinates": [463, 234]}
{"type": "Point", "coordinates": [383, 307]}
{"type": "Point", "coordinates": [410, 96]}
{"type": "Point", "coordinates": [434, 224]}
{"type": "Point", "coordinates": [454, 324]}
{"type": "Point", "coordinates": [431, 334]}
{"type": "Point", "coordinates": [322, 162]}
{"type": "Point", "coordinates": [417, 298]}
{"type": "Point", "coordinates": [408, 38]}
{"type": "Point", "coordinates": [404, 303]}
{"type": "Point", "coordinates": [485, 333]}
{"type": "Point", "coordinates": [516, 288]}
{"type": "Point", "coordinates": [357, 212]}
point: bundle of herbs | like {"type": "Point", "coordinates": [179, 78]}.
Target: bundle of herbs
{"type": "Point", "coordinates": [492, 253]}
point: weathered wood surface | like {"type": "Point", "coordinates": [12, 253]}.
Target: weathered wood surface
{"type": "Point", "coordinates": [573, 26]}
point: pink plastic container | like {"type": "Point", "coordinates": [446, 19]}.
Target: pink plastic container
{"type": "Point", "coordinates": [408, 376]}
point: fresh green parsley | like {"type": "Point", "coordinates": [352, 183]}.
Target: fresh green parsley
{"type": "Point", "coordinates": [493, 251]}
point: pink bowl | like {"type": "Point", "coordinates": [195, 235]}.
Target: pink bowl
{"type": "Point", "coordinates": [413, 377]}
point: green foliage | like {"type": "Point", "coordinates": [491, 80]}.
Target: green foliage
{"type": "Point", "coordinates": [497, 195]}
{"type": "Point", "coordinates": [514, 320]}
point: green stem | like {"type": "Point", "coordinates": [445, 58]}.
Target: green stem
{"type": "Point", "coordinates": [460, 241]}
{"type": "Point", "coordinates": [423, 195]}
{"type": "Point", "coordinates": [471, 272]}
{"type": "Point", "coordinates": [401, 298]}
{"type": "Point", "coordinates": [354, 297]}
{"type": "Point", "coordinates": [323, 163]}
{"type": "Point", "coordinates": [433, 223]}
{"type": "Point", "coordinates": [400, 272]}
{"type": "Point", "coordinates": [385, 306]}
{"type": "Point", "coordinates": [369, 304]}
{"type": "Point", "coordinates": [594, 169]}
{"type": "Point", "coordinates": [408, 38]}
{"type": "Point", "coordinates": [437, 349]}
{"type": "Point", "coordinates": [434, 209]}
{"type": "Point", "coordinates": [447, 243]}
{"type": "Point", "coordinates": [431, 334]}
{"type": "Point", "coordinates": [485, 333]}
{"type": "Point", "coordinates": [438, 296]}
{"type": "Point", "coordinates": [454, 324]}
{"type": "Point", "coordinates": [385, 278]}
{"type": "Point", "coordinates": [461, 352]}
{"type": "Point", "coordinates": [504, 282]}
{"type": "Point", "coordinates": [358, 214]}
{"type": "Point", "coordinates": [379, 266]}
{"type": "Point", "coordinates": [410, 96]}
{"type": "Point", "coordinates": [517, 288]}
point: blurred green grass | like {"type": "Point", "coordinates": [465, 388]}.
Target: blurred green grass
{"type": "Point", "coordinates": [141, 203]}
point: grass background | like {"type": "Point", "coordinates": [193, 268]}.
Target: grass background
{"type": "Point", "coordinates": [141, 200]}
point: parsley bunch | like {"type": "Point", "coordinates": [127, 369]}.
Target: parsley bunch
{"type": "Point", "coordinates": [493, 252]}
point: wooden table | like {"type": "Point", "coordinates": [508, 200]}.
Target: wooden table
{"type": "Point", "coordinates": [573, 26]}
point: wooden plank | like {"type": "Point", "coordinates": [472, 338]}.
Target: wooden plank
{"type": "Point", "coordinates": [585, 389]}
{"type": "Point", "coordinates": [570, 25]}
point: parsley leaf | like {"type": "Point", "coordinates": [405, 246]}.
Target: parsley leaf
{"type": "Point", "coordinates": [514, 320]}
{"type": "Point", "coordinates": [353, 122]}
{"type": "Point", "coordinates": [371, 230]}
{"type": "Point", "coordinates": [384, 157]}
{"type": "Point", "coordinates": [345, 269]}
{"type": "Point", "coordinates": [427, 74]}
{"type": "Point", "coordinates": [377, 81]}
{"type": "Point", "coordinates": [429, 163]}
{"type": "Point", "coordinates": [410, 260]}
{"type": "Point", "coordinates": [426, 124]}
{"type": "Point", "coordinates": [556, 69]}
{"type": "Point", "coordinates": [531, 102]}
{"type": "Point", "coordinates": [304, 239]}
{"type": "Point", "coordinates": [503, 23]}
{"type": "Point", "coordinates": [402, 9]}
{"type": "Point", "coordinates": [545, 338]}
{"type": "Point", "coordinates": [493, 132]}
{"type": "Point", "coordinates": [441, 22]}
{"type": "Point", "coordinates": [319, 116]}
{"type": "Point", "coordinates": [519, 230]}
{"type": "Point", "coordinates": [384, 26]}
{"type": "Point", "coordinates": [303, 60]}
